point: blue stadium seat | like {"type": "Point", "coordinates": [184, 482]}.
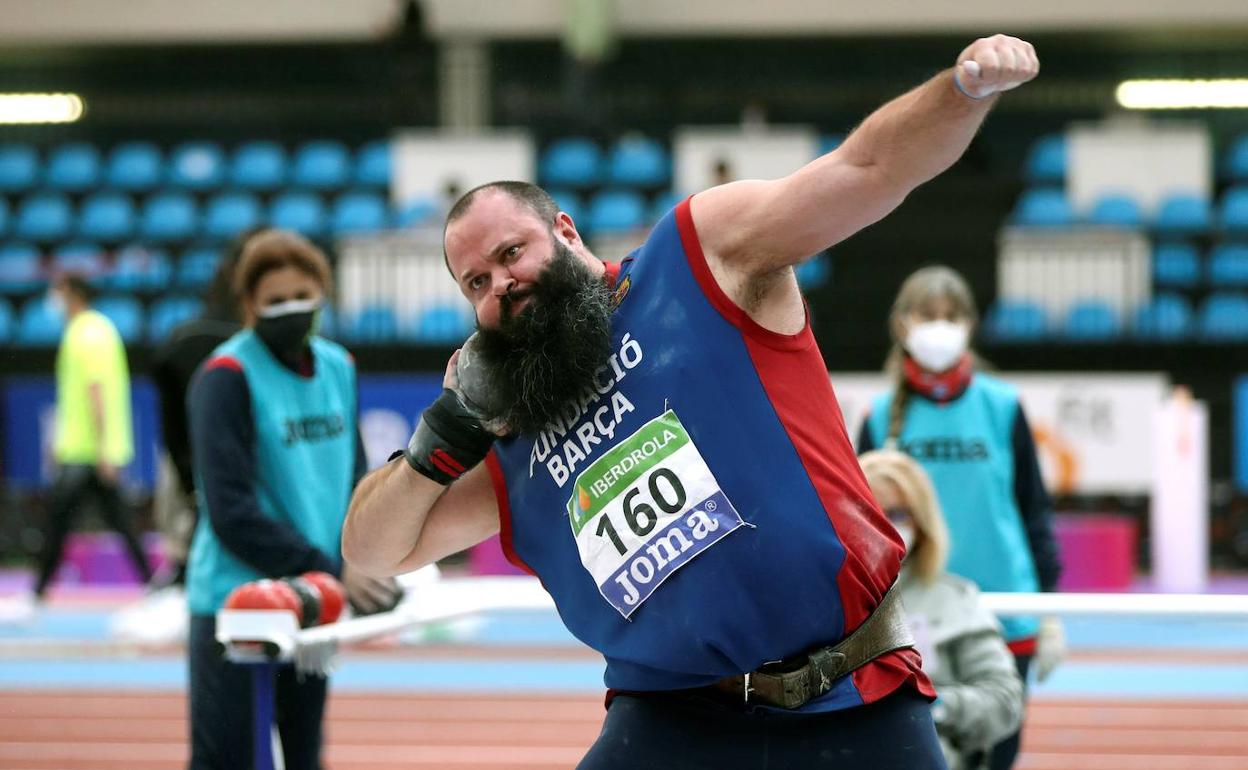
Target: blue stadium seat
{"type": "Point", "coordinates": [1233, 213]}
{"type": "Point", "coordinates": [372, 164]}
{"type": "Point", "coordinates": [169, 313]}
{"type": "Point", "coordinates": [1236, 165]}
{"type": "Point", "coordinates": [72, 167]}
{"type": "Point", "coordinates": [4, 216]}
{"type": "Point", "coordinates": [573, 162]}
{"type": "Point", "coordinates": [1176, 264]}
{"type": "Point", "coordinates": [134, 167]}
{"type": "Point", "coordinates": [44, 217]}
{"type": "Point", "coordinates": [302, 212]}
{"type": "Point", "coordinates": [228, 214]}
{"type": "Point", "coordinates": [421, 211]}
{"type": "Point", "coordinates": [38, 325]}
{"type": "Point", "coordinates": [638, 161]}
{"type": "Point", "coordinates": [828, 143]}
{"type": "Point", "coordinates": [1184, 214]}
{"type": "Point", "coordinates": [1091, 321]}
{"type": "Point", "coordinates": [814, 272]}
{"type": "Point", "coordinates": [6, 321]}
{"type": "Point", "coordinates": [1228, 265]}
{"type": "Point", "coordinates": [1167, 317]}
{"type": "Point", "coordinates": [1016, 321]}
{"type": "Point", "coordinates": [196, 166]}
{"type": "Point", "coordinates": [1043, 207]}
{"type": "Point", "coordinates": [107, 216]}
{"type": "Point", "coordinates": [442, 324]}
{"type": "Point", "coordinates": [138, 268]}
{"type": "Point", "coordinates": [1117, 211]}
{"type": "Point", "coordinates": [169, 216]}
{"type": "Point", "coordinates": [197, 267]}
{"type": "Point", "coordinates": [616, 211]}
{"type": "Point", "coordinates": [570, 202]}
{"type": "Point", "coordinates": [20, 269]}
{"type": "Point", "coordinates": [665, 202]}
{"type": "Point", "coordinates": [125, 312]}
{"type": "Point", "coordinates": [322, 165]}
{"type": "Point", "coordinates": [259, 166]}
{"type": "Point", "coordinates": [1046, 159]}
{"type": "Point", "coordinates": [86, 259]}
{"type": "Point", "coordinates": [359, 212]}
{"type": "Point", "coordinates": [1224, 317]}
{"type": "Point", "coordinates": [373, 324]}
{"type": "Point", "coordinates": [19, 167]}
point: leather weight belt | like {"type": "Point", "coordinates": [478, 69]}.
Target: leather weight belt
{"type": "Point", "coordinates": [793, 682]}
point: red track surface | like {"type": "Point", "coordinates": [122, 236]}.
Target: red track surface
{"type": "Point", "coordinates": [100, 730]}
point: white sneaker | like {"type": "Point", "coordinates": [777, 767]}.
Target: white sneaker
{"type": "Point", "coordinates": [158, 618]}
{"type": "Point", "coordinates": [19, 610]}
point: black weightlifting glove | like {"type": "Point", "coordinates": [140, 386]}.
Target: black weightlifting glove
{"type": "Point", "coordinates": [448, 440]}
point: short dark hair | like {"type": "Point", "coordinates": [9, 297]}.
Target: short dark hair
{"type": "Point", "coordinates": [526, 194]}
{"type": "Point", "coordinates": [529, 195]}
{"type": "Point", "coordinates": [274, 249]}
{"type": "Point", "coordinates": [77, 284]}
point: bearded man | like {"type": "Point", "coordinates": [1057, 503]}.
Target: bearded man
{"type": "Point", "coordinates": [659, 442]}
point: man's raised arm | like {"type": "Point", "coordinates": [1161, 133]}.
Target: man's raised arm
{"type": "Point", "coordinates": [758, 226]}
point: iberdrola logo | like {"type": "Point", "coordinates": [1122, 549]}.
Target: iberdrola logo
{"type": "Point", "coordinates": [582, 498]}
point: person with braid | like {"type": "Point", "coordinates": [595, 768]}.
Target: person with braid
{"type": "Point", "coordinates": [969, 432]}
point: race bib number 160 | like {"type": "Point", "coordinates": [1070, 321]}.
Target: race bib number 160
{"type": "Point", "coordinates": [645, 509]}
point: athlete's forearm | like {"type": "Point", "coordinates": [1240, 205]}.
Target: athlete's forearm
{"type": "Point", "coordinates": [755, 227]}
{"type": "Point", "coordinates": [386, 517]}
{"type": "Point", "coordinates": [919, 134]}
{"type": "Point", "coordinates": [759, 226]}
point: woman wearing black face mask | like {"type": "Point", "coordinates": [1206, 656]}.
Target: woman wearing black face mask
{"type": "Point", "coordinates": [277, 453]}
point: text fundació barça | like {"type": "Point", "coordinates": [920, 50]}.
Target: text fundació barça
{"type": "Point", "coordinates": [567, 442]}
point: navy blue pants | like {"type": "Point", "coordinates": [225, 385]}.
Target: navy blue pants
{"type": "Point", "coordinates": [686, 731]}
{"type": "Point", "coordinates": [220, 701]}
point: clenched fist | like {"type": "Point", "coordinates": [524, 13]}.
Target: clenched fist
{"type": "Point", "coordinates": [994, 64]}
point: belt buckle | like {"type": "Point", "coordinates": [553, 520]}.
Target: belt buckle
{"type": "Point", "coordinates": [746, 689]}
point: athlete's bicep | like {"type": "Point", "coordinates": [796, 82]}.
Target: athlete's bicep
{"type": "Point", "coordinates": [464, 515]}
{"type": "Point", "coordinates": [757, 226]}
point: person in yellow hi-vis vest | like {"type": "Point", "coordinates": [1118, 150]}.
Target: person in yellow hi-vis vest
{"type": "Point", "coordinates": [94, 438]}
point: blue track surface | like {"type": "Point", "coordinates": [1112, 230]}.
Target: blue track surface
{"type": "Point", "coordinates": [510, 633]}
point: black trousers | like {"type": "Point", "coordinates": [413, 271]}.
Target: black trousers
{"type": "Point", "coordinates": [221, 708]}
{"type": "Point", "coordinates": [74, 486]}
{"type": "Point", "coordinates": [690, 732]}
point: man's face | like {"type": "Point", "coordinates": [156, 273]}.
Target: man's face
{"type": "Point", "coordinates": [543, 312]}
{"type": "Point", "coordinates": [497, 250]}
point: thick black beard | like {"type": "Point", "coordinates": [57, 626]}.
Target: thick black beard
{"type": "Point", "coordinates": [547, 355]}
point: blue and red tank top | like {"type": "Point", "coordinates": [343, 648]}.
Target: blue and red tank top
{"type": "Point", "coordinates": [700, 512]}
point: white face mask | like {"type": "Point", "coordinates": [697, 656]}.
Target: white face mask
{"type": "Point", "coordinates": [937, 345]}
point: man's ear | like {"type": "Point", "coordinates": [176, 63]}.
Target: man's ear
{"type": "Point", "coordinates": [566, 230]}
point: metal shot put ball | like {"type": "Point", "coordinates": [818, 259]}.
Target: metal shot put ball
{"type": "Point", "coordinates": [475, 389]}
